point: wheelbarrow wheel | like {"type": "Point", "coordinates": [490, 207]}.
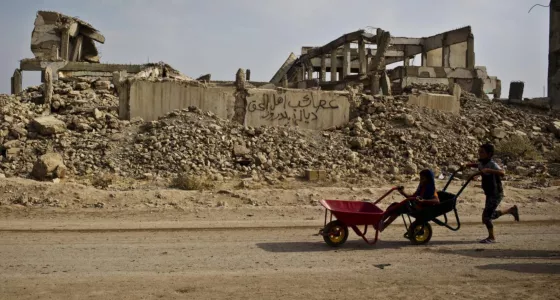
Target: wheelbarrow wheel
{"type": "Point", "coordinates": [335, 233]}
{"type": "Point", "coordinates": [420, 233]}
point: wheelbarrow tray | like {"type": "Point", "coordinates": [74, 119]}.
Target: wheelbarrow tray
{"type": "Point", "coordinates": [353, 213]}
{"type": "Point", "coordinates": [447, 204]}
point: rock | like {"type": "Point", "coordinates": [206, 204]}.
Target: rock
{"type": "Point", "coordinates": [520, 133]}
{"type": "Point", "coordinates": [83, 127]}
{"type": "Point", "coordinates": [479, 132]}
{"type": "Point", "coordinates": [370, 126]}
{"type": "Point", "coordinates": [507, 123]}
{"type": "Point", "coordinates": [410, 168]}
{"type": "Point", "coordinates": [522, 171]}
{"type": "Point", "coordinates": [240, 150]}
{"type": "Point", "coordinates": [394, 170]}
{"type": "Point", "coordinates": [315, 175]}
{"type": "Point", "coordinates": [102, 85]}
{"type": "Point", "coordinates": [82, 86]}
{"type": "Point", "coordinates": [49, 165]}
{"type": "Point", "coordinates": [97, 114]}
{"type": "Point", "coordinates": [18, 132]}
{"type": "Point", "coordinates": [74, 94]}
{"type": "Point", "coordinates": [48, 125]}
{"type": "Point", "coordinates": [8, 119]}
{"type": "Point", "coordinates": [353, 157]}
{"type": "Point", "coordinates": [360, 143]}
{"type": "Point", "coordinates": [408, 120]}
{"type": "Point", "coordinates": [499, 133]}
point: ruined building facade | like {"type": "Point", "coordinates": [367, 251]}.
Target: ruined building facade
{"type": "Point", "coordinates": [362, 58]}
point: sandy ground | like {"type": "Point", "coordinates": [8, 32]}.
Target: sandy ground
{"type": "Point", "coordinates": [67, 241]}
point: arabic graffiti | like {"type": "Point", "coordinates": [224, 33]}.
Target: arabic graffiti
{"type": "Point", "coordinates": [275, 107]}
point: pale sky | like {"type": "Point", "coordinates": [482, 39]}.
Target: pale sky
{"type": "Point", "coordinates": [219, 36]}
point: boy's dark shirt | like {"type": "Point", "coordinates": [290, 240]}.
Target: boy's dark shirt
{"type": "Point", "coordinates": [491, 183]}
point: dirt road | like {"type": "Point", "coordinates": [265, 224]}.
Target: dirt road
{"type": "Point", "coordinates": [279, 263]}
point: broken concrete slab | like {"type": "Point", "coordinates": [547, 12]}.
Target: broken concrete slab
{"type": "Point", "coordinates": [47, 125]}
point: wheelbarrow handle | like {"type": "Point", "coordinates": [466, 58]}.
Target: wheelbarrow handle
{"type": "Point", "coordinates": [386, 194]}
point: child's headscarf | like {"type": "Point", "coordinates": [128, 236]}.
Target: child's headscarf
{"type": "Point", "coordinates": [427, 191]}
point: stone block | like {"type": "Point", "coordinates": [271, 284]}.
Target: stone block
{"type": "Point", "coordinates": [315, 175]}
{"type": "Point", "coordinates": [48, 125]}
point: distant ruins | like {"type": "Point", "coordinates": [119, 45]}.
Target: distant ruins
{"type": "Point", "coordinates": [315, 90]}
{"type": "Point", "coordinates": [362, 58]}
{"type": "Point", "coordinates": [64, 46]}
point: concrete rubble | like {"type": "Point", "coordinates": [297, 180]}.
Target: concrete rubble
{"type": "Point", "coordinates": [389, 124]}
{"type": "Point", "coordinates": [386, 138]}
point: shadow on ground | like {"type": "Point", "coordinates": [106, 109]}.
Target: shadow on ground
{"type": "Point", "coordinates": [504, 253]}
{"type": "Point", "coordinates": [290, 247]}
{"type": "Point", "coordinates": [536, 268]}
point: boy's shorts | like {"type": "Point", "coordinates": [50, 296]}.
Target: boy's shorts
{"type": "Point", "coordinates": [490, 207]}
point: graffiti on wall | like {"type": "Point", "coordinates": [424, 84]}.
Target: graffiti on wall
{"type": "Point", "coordinates": [299, 108]}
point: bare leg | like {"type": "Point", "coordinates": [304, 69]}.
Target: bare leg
{"type": "Point", "coordinates": [388, 221]}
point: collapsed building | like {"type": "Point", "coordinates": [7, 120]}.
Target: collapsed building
{"type": "Point", "coordinates": [362, 58]}
{"type": "Point", "coordinates": [314, 90]}
{"type": "Point", "coordinates": [243, 127]}
{"type": "Point", "coordinates": [65, 47]}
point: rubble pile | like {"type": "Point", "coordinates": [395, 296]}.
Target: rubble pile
{"type": "Point", "coordinates": [417, 88]}
{"type": "Point", "coordinates": [410, 138]}
{"type": "Point", "coordinates": [387, 138]}
{"type": "Point", "coordinates": [74, 94]}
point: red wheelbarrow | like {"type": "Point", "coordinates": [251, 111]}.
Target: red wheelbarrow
{"type": "Point", "coordinates": [357, 213]}
{"type": "Point", "coordinates": [351, 214]}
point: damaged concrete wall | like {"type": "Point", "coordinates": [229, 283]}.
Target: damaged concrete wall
{"type": "Point", "coordinates": [150, 100]}
{"type": "Point", "coordinates": [449, 103]}
{"type": "Point", "coordinates": [434, 58]}
{"type": "Point", "coordinates": [458, 57]}
{"type": "Point", "coordinates": [310, 109]}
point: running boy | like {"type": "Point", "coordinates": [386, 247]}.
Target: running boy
{"type": "Point", "coordinates": [492, 185]}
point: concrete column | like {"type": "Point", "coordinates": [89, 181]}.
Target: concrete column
{"type": "Point", "coordinates": [323, 73]}
{"type": "Point", "coordinates": [470, 52]}
{"type": "Point", "coordinates": [346, 60]}
{"type": "Point", "coordinates": [374, 86]}
{"type": "Point", "coordinates": [424, 58]}
{"type": "Point", "coordinates": [362, 56]}
{"type": "Point", "coordinates": [406, 61]}
{"type": "Point", "coordinates": [65, 45]}
{"type": "Point", "coordinates": [17, 82]}
{"type": "Point", "coordinates": [285, 81]}
{"type": "Point", "coordinates": [240, 79]}
{"type": "Point", "coordinates": [48, 86]}
{"type": "Point", "coordinates": [248, 75]}
{"type": "Point", "coordinates": [310, 71]}
{"type": "Point", "coordinates": [445, 53]}
{"type": "Point", "coordinates": [300, 73]}
{"type": "Point", "coordinates": [77, 54]}
{"type": "Point", "coordinates": [334, 65]}
{"type": "Point", "coordinates": [385, 84]}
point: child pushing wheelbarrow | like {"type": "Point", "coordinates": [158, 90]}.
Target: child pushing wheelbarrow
{"type": "Point", "coordinates": [424, 206]}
